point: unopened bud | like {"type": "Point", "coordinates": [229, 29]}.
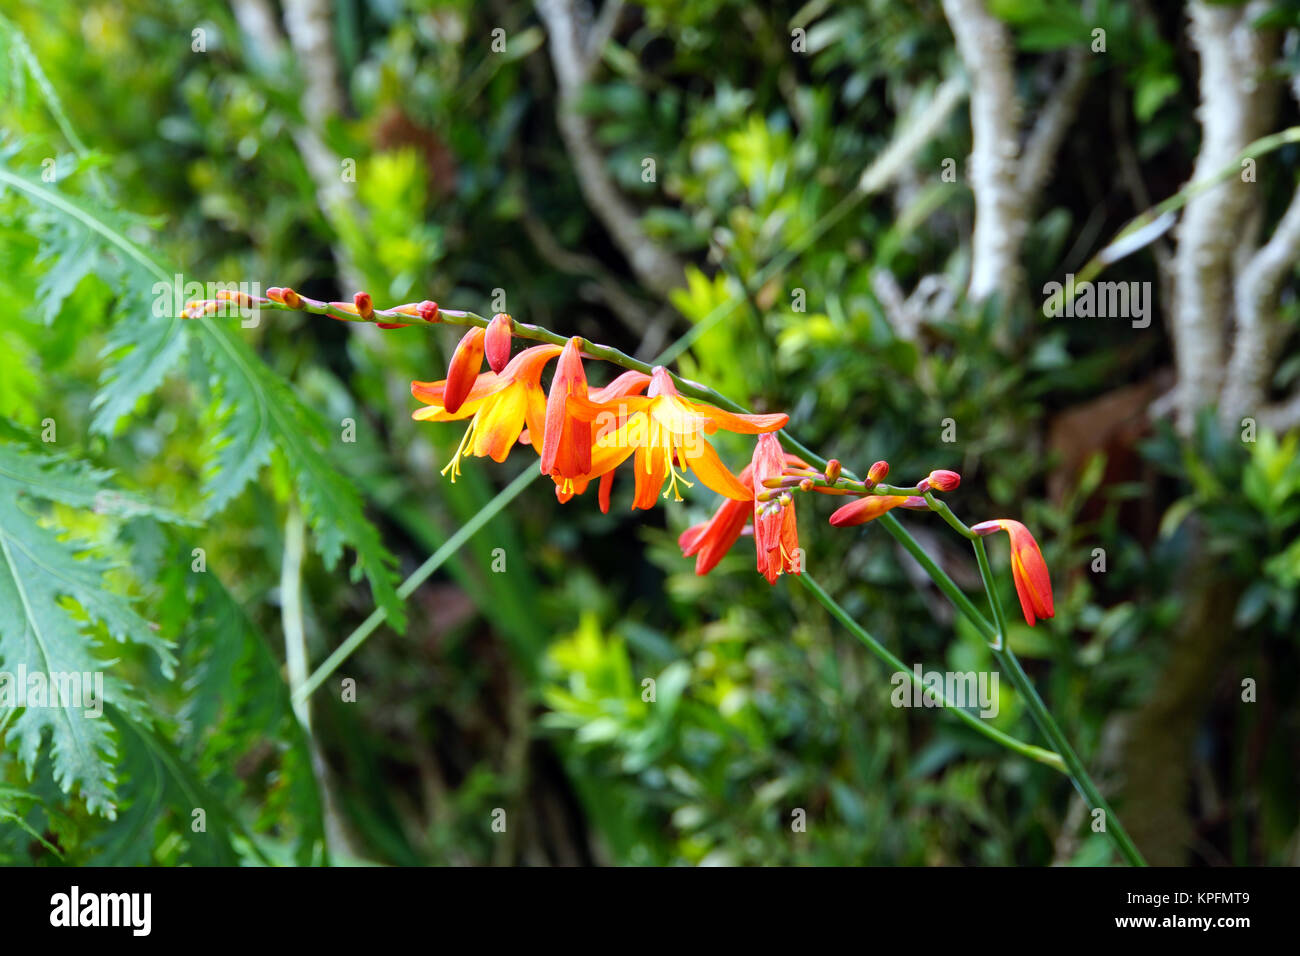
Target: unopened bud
{"type": "Point", "coordinates": [365, 306]}
{"type": "Point", "coordinates": [943, 480]}
{"type": "Point", "coordinates": [833, 470]}
{"type": "Point", "coordinates": [290, 298]}
{"type": "Point", "coordinates": [806, 485]}
{"type": "Point", "coordinates": [428, 311]}
{"type": "Point", "coordinates": [878, 472]}
{"type": "Point", "coordinates": [496, 344]}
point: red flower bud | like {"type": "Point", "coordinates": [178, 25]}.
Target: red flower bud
{"type": "Point", "coordinates": [943, 480]}
{"type": "Point", "coordinates": [365, 306]}
{"type": "Point", "coordinates": [866, 508]}
{"type": "Point", "coordinates": [878, 472]}
{"type": "Point", "coordinates": [428, 311]}
{"type": "Point", "coordinates": [833, 470]}
{"type": "Point", "coordinates": [566, 445]}
{"type": "Point", "coordinates": [463, 370]}
{"type": "Point", "coordinates": [497, 341]}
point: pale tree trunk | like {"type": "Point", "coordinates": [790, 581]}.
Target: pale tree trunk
{"type": "Point", "coordinates": [1006, 179]}
{"type": "Point", "coordinates": [1234, 110]}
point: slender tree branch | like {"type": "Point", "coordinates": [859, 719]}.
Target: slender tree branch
{"type": "Point", "coordinates": [573, 56]}
{"type": "Point", "coordinates": [1000, 220]}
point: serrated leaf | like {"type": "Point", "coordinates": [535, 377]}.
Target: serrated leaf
{"type": "Point", "coordinates": [153, 346]}
{"type": "Point", "coordinates": [66, 259]}
{"type": "Point", "coordinates": [269, 414]}
{"type": "Point", "coordinates": [52, 601]}
{"type": "Point", "coordinates": [35, 472]}
{"type": "Point", "coordinates": [255, 411]}
{"type": "Point", "coordinates": [160, 784]}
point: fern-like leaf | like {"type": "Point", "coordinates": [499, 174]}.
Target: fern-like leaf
{"type": "Point", "coordinates": [52, 605]}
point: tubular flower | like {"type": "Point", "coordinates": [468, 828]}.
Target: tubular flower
{"type": "Point", "coordinates": [666, 434]}
{"type": "Point", "coordinates": [713, 539]}
{"type": "Point", "coordinates": [867, 508]}
{"type": "Point", "coordinates": [496, 341]}
{"type": "Point", "coordinates": [629, 383]}
{"type": "Point", "coordinates": [1028, 569]}
{"type": "Point", "coordinates": [566, 444]}
{"type": "Point", "coordinates": [710, 541]}
{"type": "Point", "coordinates": [500, 405]}
{"type": "Point", "coordinates": [776, 535]}
{"type": "Point", "coordinates": [462, 373]}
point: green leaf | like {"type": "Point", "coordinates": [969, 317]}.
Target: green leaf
{"type": "Point", "coordinates": [161, 787]}
{"type": "Point", "coordinates": [268, 414]}
{"type": "Point", "coordinates": [51, 599]}
{"type": "Point", "coordinates": [255, 412]}
{"type": "Point", "coordinates": [153, 346]}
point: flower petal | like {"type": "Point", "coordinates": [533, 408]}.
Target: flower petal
{"type": "Point", "coordinates": [700, 457]}
{"type": "Point", "coordinates": [740, 424]}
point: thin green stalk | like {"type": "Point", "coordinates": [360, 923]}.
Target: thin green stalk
{"type": "Point", "coordinates": [975, 723]}
{"type": "Point", "coordinates": [418, 577]}
{"type": "Point", "coordinates": [1047, 725]}
{"type": "Point", "coordinates": [1078, 773]}
{"type": "Point", "coordinates": [986, 575]}
{"type": "Point", "coordinates": [940, 577]}
{"type": "Point", "coordinates": [295, 634]}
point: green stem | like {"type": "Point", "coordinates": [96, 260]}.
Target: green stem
{"type": "Point", "coordinates": [990, 588]}
{"type": "Point", "coordinates": [418, 577]}
{"type": "Point", "coordinates": [940, 577]}
{"type": "Point", "coordinates": [1047, 725]}
{"type": "Point", "coordinates": [975, 723]}
{"type": "Point", "coordinates": [1078, 773]}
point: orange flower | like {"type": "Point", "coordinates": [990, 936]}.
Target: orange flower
{"type": "Point", "coordinates": [1028, 569]}
{"type": "Point", "coordinates": [462, 373]}
{"type": "Point", "coordinates": [714, 538]}
{"type": "Point", "coordinates": [629, 383]}
{"type": "Point", "coordinates": [867, 508]}
{"type": "Point", "coordinates": [666, 433]}
{"type": "Point", "coordinates": [500, 405]}
{"type": "Point", "coordinates": [776, 535]}
{"type": "Point", "coordinates": [566, 445]}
